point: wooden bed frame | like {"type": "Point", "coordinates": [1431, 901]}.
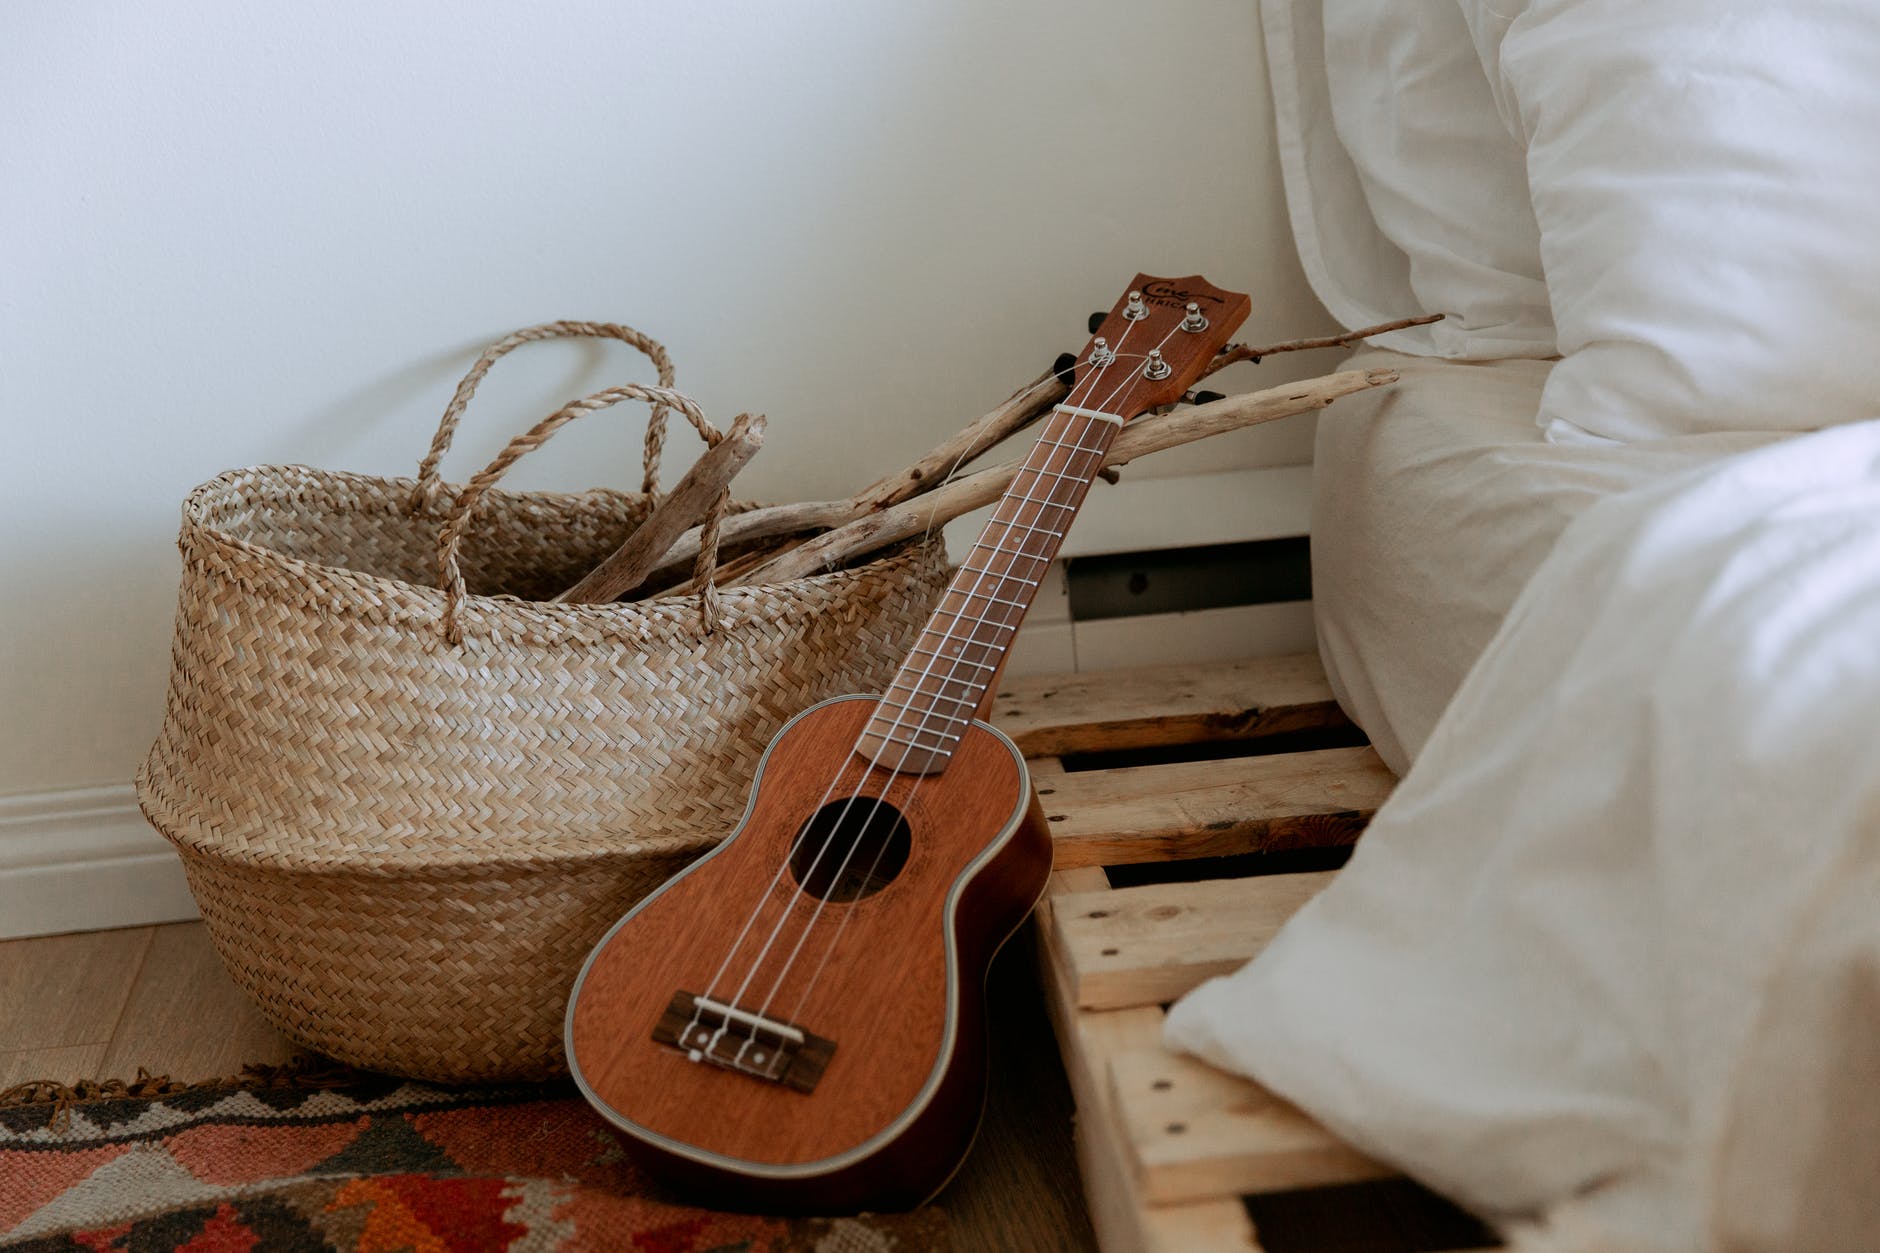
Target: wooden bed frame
{"type": "Point", "coordinates": [1174, 795]}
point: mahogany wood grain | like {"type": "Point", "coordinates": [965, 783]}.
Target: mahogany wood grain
{"type": "Point", "coordinates": [887, 997]}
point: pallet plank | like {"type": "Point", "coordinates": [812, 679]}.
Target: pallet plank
{"type": "Point", "coordinates": [1147, 945]}
{"type": "Point", "coordinates": [1195, 1132]}
{"type": "Point", "coordinates": [1217, 1226]}
{"type": "Point", "coordinates": [1168, 1144]}
{"type": "Point", "coordinates": [1190, 809]}
{"type": "Point", "coordinates": [1085, 1042]}
{"type": "Point", "coordinates": [1158, 705]}
{"type": "Point", "coordinates": [1125, 1224]}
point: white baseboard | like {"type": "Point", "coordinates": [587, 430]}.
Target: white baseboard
{"type": "Point", "coordinates": [84, 859]}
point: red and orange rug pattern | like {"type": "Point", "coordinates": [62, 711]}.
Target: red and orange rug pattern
{"type": "Point", "coordinates": [373, 1166]}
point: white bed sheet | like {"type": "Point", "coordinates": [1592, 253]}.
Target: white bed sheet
{"type": "Point", "coordinates": [1606, 967]}
{"type": "Point", "coordinates": [1434, 501]}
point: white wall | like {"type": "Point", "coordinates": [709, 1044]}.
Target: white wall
{"type": "Point", "coordinates": [238, 234]}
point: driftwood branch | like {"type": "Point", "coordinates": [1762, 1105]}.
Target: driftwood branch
{"type": "Point", "coordinates": [698, 491]}
{"type": "Point", "coordinates": [917, 481]}
{"type": "Point", "coordinates": [732, 572]}
{"type": "Point", "coordinates": [1244, 352]}
{"type": "Point", "coordinates": [1023, 408]}
{"type": "Point", "coordinates": [1141, 437]}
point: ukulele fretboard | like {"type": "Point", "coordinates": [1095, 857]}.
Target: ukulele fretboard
{"type": "Point", "coordinates": [944, 681]}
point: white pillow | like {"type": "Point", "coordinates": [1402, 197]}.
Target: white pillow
{"type": "Point", "coordinates": [1705, 174]}
{"type": "Point", "coordinates": [1442, 173]}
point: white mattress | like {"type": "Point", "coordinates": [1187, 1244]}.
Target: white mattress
{"type": "Point", "coordinates": [1433, 502]}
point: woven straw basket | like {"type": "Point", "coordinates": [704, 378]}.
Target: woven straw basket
{"type": "Point", "coordinates": [402, 845]}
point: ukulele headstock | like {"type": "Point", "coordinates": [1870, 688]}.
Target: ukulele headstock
{"type": "Point", "coordinates": [1156, 342]}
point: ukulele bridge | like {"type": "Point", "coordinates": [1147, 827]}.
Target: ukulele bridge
{"type": "Point", "coordinates": [764, 1048]}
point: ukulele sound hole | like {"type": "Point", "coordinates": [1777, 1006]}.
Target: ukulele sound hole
{"type": "Point", "coordinates": [851, 849]}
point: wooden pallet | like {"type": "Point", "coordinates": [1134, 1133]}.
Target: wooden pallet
{"type": "Point", "coordinates": [1170, 1147]}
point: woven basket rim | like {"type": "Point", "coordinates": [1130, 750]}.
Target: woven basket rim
{"type": "Point", "coordinates": [595, 624]}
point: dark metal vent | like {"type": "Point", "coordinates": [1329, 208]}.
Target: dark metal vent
{"type": "Point", "coordinates": [1178, 580]}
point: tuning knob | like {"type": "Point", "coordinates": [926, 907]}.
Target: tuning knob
{"type": "Point", "coordinates": [1205, 398]}
{"type": "Point", "coordinates": [1096, 319]}
{"type": "Point", "coordinates": [1065, 367]}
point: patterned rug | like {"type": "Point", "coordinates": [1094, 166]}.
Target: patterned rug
{"type": "Point", "coordinates": [361, 1164]}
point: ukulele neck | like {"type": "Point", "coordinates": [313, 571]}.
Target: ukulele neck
{"type": "Point", "coordinates": [1156, 340]}
{"type": "Point", "coordinates": [946, 681]}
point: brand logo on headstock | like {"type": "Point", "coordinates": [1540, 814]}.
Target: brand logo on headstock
{"type": "Point", "coordinates": [1162, 293]}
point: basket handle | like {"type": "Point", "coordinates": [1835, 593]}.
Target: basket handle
{"type": "Point", "coordinates": [450, 574]}
{"type": "Point", "coordinates": [430, 486]}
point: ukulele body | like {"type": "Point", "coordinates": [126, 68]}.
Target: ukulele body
{"type": "Point", "coordinates": [847, 1071]}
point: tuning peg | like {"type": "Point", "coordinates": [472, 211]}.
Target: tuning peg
{"type": "Point", "coordinates": [1096, 319]}
{"type": "Point", "coordinates": [1065, 367]}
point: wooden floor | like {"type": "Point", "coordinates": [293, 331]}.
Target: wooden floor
{"type": "Point", "coordinates": [101, 1004]}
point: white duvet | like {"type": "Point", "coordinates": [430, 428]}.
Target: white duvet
{"type": "Point", "coordinates": [1606, 967]}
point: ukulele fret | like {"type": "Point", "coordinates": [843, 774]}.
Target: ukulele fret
{"type": "Point", "coordinates": [958, 660]}
{"type": "Point", "coordinates": [1012, 552]}
{"type": "Point", "coordinates": [1051, 474]}
{"type": "Point", "coordinates": [907, 707]}
{"type": "Point", "coordinates": [997, 600]}
{"type": "Point", "coordinates": [962, 615]}
{"type": "Point", "coordinates": [1029, 529]}
{"type": "Point", "coordinates": [889, 737]}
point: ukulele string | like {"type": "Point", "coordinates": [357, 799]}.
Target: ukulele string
{"type": "Point", "coordinates": [1007, 621]}
{"type": "Point", "coordinates": [1007, 618]}
{"type": "Point", "coordinates": [932, 516]}
{"type": "Point", "coordinates": [829, 840]}
{"type": "Point", "coordinates": [1075, 449]}
{"type": "Point", "coordinates": [848, 806]}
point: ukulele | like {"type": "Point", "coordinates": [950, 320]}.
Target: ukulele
{"type": "Point", "coordinates": [796, 1021]}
